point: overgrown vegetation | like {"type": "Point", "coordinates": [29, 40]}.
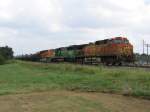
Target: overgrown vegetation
{"type": "Point", "coordinates": [6, 53]}
{"type": "Point", "coordinates": [2, 60]}
{"type": "Point", "coordinates": [20, 77]}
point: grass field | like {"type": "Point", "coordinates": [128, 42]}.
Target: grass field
{"type": "Point", "coordinates": [24, 77]}
{"type": "Point", "coordinates": [37, 87]}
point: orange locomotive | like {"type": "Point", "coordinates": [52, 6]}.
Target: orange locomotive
{"type": "Point", "coordinates": [46, 55]}
{"type": "Point", "coordinates": [110, 51]}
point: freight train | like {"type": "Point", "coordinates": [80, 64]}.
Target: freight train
{"type": "Point", "coordinates": [113, 51]}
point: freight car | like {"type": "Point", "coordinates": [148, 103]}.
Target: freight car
{"type": "Point", "coordinates": [114, 51]}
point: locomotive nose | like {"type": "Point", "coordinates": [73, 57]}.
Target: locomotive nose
{"type": "Point", "coordinates": [127, 50]}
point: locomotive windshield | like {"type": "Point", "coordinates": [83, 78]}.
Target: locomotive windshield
{"type": "Point", "coordinates": [120, 41]}
{"type": "Point", "coordinates": [126, 41]}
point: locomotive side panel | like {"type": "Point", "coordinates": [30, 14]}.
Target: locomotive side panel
{"type": "Point", "coordinates": [90, 51]}
{"type": "Point", "coordinates": [47, 54]}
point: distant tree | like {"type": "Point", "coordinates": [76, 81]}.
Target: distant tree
{"type": "Point", "coordinates": [142, 58]}
{"type": "Point", "coordinates": [6, 52]}
{"type": "Point", "coordinates": [2, 60]}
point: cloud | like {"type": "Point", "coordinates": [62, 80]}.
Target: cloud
{"type": "Point", "coordinates": [32, 25]}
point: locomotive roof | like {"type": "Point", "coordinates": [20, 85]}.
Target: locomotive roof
{"type": "Point", "coordinates": [76, 46]}
{"type": "Point", "coordinates": [102, 42]}
{"type": "Point", "coordinates": [43, 51]}
{"type": "Point", "coordinates": [73, 47]}
{"type": "Point", "coordinates": [105, 41]}
{"type": "Point", "coordinates": [120, 38]}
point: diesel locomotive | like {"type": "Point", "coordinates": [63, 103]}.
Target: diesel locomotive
{"type": "Point", "coordinates": [112, 51]}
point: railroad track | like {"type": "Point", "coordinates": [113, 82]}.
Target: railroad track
{"type": "Point", "coordinates": [101, 64]}
{"type": "Point", "coordinates": [131, 66]}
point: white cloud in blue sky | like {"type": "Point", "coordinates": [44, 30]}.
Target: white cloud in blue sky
{"type": "Point", "coordinates": [32, 25]}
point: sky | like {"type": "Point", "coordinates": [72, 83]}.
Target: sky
{"type": "Point", "coordinates": [29, 26]}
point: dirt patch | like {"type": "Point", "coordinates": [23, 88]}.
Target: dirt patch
{"type": "Point", "coordinates": [64, 101]}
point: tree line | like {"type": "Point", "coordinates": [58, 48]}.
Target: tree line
{"type": "Point", "coordinates": [142, 58]}
{"type": "Point", "coordinates": [6, 53]}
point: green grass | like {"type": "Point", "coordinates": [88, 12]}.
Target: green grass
{"type": "Point", "coordinates": [22, 77]}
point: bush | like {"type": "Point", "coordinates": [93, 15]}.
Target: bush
{"type": "Point", "coordinates": [2, 60]}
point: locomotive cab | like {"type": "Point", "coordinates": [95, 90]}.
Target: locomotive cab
{"type": "Point", "coordinates": [119, 40]}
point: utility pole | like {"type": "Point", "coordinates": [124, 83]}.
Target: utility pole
{"type": "Point", "coordinates": [143, 46]}
{"type": "Point", "coordinates": [147, 46]}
